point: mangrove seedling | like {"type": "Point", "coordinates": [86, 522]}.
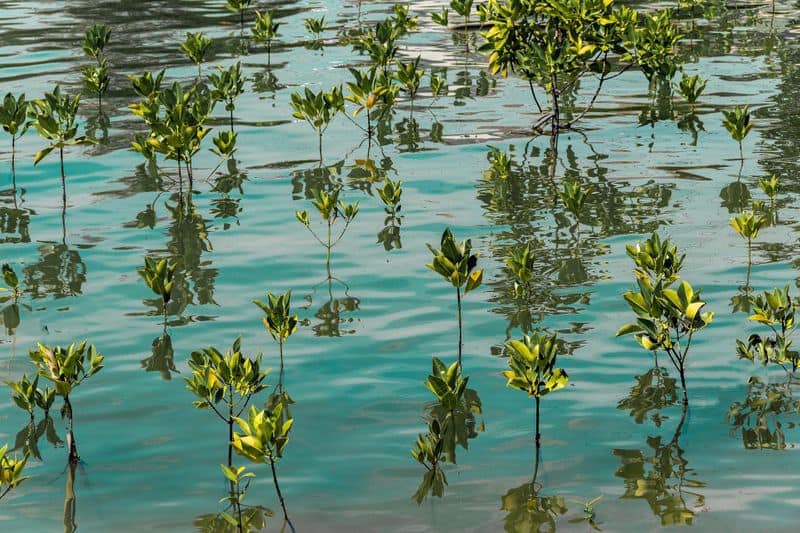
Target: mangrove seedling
{"type": "Point", "coordinates": [447, 384]}
{"type": "Point", "coordinates": [11, 281]}
{"type": "Point", "coordinates": [390, 194]}
{"type": "Point", "coordinates": [195, 47]}
{"type": "Point", "coordinates": [264, 437]}
{"type": "Point", "coordinates": [159, 275]}
{"type": "Point", "coordinates": [279, 320]}
{"type": "Point", "coordinates": [438, 86]}
{"type": "Point", "coordinates": [409, 75]}
{"type": "Point", "coordinates": [366, 91]}
{"type": "Point", "coordinates": [427, 451]}
{"type": "Point", "coordinates": [533, 369]}
{"type": "Point", "coordinates": [456, 264]}
{"type": "Point", "coordinates": [441, 18]}
{"type": "Point", "coordinates": [737, 122]}
{"type": "Point", "coordinates": [329, 208]}
{"type": "Point", "coordinates": [747, 225]}
{"type": "Point", "coordinates": [10, 471]}
{"type": "Point", "coordinates": [315, 26]}
{"type": "Point", "coordinates": [265, 30]}
{"type": "Point", "coordinates": [318, 109]}
{"type": "Point", "coordinates": [13, 118]}
{"type": "Point", "coordinates": [24, 393]}
{"type": "Point", "coordinates": [667, 319]}
{"type": "Point", "coordinates": [96, 77]}
{"type": "Point", "coordinates": [240, 481]}
{"type": "Point", "coordinates": [147, 85]}
{"type": "Point", "coordinates": [574, 197]}
{"type": "Point", "coordinates": [691, 87]}
{"type": "Point", "coordinates": [233, 377]}
{"type": "Point", "coordinates": [239, 6]}
{"type": "Point", "coordinates": [225, 144]}
{"type": "Point", "coordinates": [776, 310]}
{"type": "Point", "coordinates": [770, 187]}
{"type": "Point", "coordinates": [655, 43]}
{"type": "Point", "coordinates": [67, 368]}
{"type": "Point", "coordinates": [227, 86]}
{"type": "Point", "coordinates": [54, 119]}
{"type": "Point", "coordinates": [463, 8]}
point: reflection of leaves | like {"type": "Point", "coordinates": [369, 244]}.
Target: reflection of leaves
{"type": "Point", "coordinates": [735, 197]}
{"type": "Point", "coordinates": [253, 519]}
{"type": "Point", "coordinates": [433, 482]}
{"type": "Point", "coordinates": [764, 403]}
{"type": "Point", "coordinates": [27, 439]}
{"type": "Point", "coordinates": [330, 316]}
{"type": "Point", "coordinates": [659, 476]}
{"type": "Point", "coordinates": [188, 241]}
{"type": "Point", "coordinates": [528, 511]}
{"type": "Point", "coordinates": [14, 225]}
{"type": "Point", "coordinates": [10, 318]}
{"type": "Point", "coordinates": [60, 272]}
{"type": "Point", "coordinates": [163, 357]}
{"type": "Point", "coordinates": [389, 236]}
{"type": "Point", "coordinates": [654, 390]}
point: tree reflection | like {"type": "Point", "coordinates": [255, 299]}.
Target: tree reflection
{"type": "Point", "coordinates": [162, 358]}
{"type": "Point", "coordinates": [331, 322]}
{"type": "Point", "coordinates": [661, 476]}
{"type": "Point", "coordinates": [27, 439]}
{"type": "Point", "coordinates": [654, 391]}
{"type": "Point", "coordinates": [253, 519]}
{"type": "Point", "coordinates": [60, 272]}
{"type": "Point", "coordinates": [758, 416]}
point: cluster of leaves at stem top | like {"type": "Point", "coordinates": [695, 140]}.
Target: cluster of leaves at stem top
{"type": "Point", "coordinates": [666, 318]}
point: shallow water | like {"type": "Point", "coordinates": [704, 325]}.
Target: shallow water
{"type": "Point", "coordinates": [355, 368]}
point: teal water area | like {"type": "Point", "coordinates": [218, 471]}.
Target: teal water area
{"type": "Point", "coordinates": [356, 366]}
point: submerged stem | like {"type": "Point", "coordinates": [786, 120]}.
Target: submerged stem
{"type": "Point", "coordinates": [280, 495]}
{"type": "Point", "coordinates": [460, 343]}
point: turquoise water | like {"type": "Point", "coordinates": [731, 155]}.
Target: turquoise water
{"type": "Point", "coordinates": [355, 368]}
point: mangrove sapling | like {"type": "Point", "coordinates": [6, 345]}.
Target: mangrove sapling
{"type": "Point", "coordinates": [428, 451]}
{"type": "Point", "coordinates": [442, 17]}
{"type": "Point", "coordinates": [366, 91]}
{"type": "Point", "coordinates": [667, 319]}
{"type": "Point", "coordinates": [691, 87]}
{"type": "Point", "coordinates": [655, 44]}
{"type": "Point", "coordinates": [227, 86]}
{"type": "Point", "coordinates": [463, 8]}
{"type": "Point", "coordinates": [24, 393]}
{"type": "Point", "coordinates": [230, 379]}
{"type": "Point", "coordinates": [532, 361]}
{"type": "Point", "coordinates": [265, 30]}
{"type": "Point", "coordinates": [13, 118]}
{"type": "Point", "coordinates": [318, 109]}
{"type": "Point", "coordinates": [438, 86]}
{"type": "Point", "coordinates": [315, 27]}
{"type": "Point", "coordinates": [159, 275]}
{"type": "Point", "coordinates": [777, 310]}
{"type": "Point", "coordinates": [196, 47]}
{"type": "Point", "coordinates": [380, 43]}
{"type": "Point", "coordinates": [264, 437]}
{"type": "Point", "coordinates": [239, 7]}
{"type": "Point", "coordinates": [10, 471]}
{"type": "Point", "coordinates": [54, 119]}
{"type": "Point", "coordinates": [737, 122]}
{"type": "Point", "coordinates": [330, 208]}
{"type": "Point", "coordinates": [770, 187]}
{"type": "Point", "coordinates": [279, 321]}
{"type": "Point", "coordinates": [11, 281]}
{"type": "Point", "coordinates": [390, 195]}
{"type": "Point", "coordinates": [409, 75]}
{"type": "Point", "coordinates": [96, 77]}
{"type": "Point", "coordinates": [67, 368]}
{"type": "Point", "coordinates": [225, 144]}
{"type": "Point", "coordinates": [747, 225]}
{"type": "Point", "coordinates": [456, 264]}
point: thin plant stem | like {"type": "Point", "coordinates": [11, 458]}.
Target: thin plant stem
{"type": "Point", "coordinates": [460, 343]}
{"type": "Point", "coordinates": [74, 457]}
{"type": "Point", "coordinates": [280, 495]}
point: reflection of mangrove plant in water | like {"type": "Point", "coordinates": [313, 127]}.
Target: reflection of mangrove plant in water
{"type": "Point", "coordinates": [759, 415]}
{"type": "Point", "coordinates": [667, 319]}
{"type": "Point", "coordinates": [390, 194]}
{"type": "Point", "coordinates": [456, 264]}
{"type": "Point", "coordinates": [661, 476]}
{"type": "Point", "coordinates": [654, 391]}
{"type": "Point", "coordinates": [67, 368]}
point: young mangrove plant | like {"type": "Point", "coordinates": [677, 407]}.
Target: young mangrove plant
{"type": "Point", "coordinates": [770, 187]}
{"type": "Point", "coordinates": [318, 109]}
{"type": "Point", "coordinates": [225, 144]}
{"type": "Point", "coordinates": [13, 118]}
{"type": "Point", "coordinates": [11, 469]}
{"type": "Point", "coordinates": [737, 122]}
{"type": "Point", "coordinates": [691, 87]}
{"type": "Point", "coordinates": [366, 91]}
{"type": "Point", "coordinates": [532, 363]}
{"type": "Point", "coordinates": [159, 275]}
{"type": "Point", "coordinates": [776, 310]}
{"type": "Point", "coordinates": [11, 281]}
{"type": "Point", "coordinates": [196, 47]}
{"type": "Point", "coordinates": [409, 75]}
{"type": "Point", "coordinates": [54, 119]}
{"type": "Point", "coordinates": [330, 208]}
{"type": "Point", "coordinates": [390, 194]}
{"type": "Point", "coordinates": [265, 30]}
{"type": "Point", "coordinates": [67, 368]}
{"type": "Point", "coordinates": [232, 378]}
{"type": "Point", "coordinates": [279, 321]}
{"type": "Point", "coordinates": [667, 319]}
{"type": "Point", "coordinates": [456, 264]}
{"type": "Point", "coordinates": [438, 86]}
{"type": "Point", "coordinates": [747, 225]}
{"type": "Point", "coordinates": [315, 27]}
{"type": "Point", "coordinates": [25, 393]}
{"type": "Point", "coordinates": [95, 77]}
{"type": "Point", "coordinates": [238, 7]}
{"type": "Point", "coordinates": [227, 86]}
{"type": "Point", "coordinates": [442, 18]}
{"type": "Point", "coordinates": [263, 439]}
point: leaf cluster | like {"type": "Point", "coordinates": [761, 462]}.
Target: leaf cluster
{"type": "Point", "coordinates": [264, 435]}
{"type": "Point", "coordinates": [532, 365]}
{"type": "Point", "coordinates": [279, 320]}
{"type": "Point", "coordinates": [159, 276]}
{"type": "Point", "coordinates": [456, 263]}
{"type": "Point", "coordinates": [776, 310]}
{"type": "Point", "coordinates": [67, 367]}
